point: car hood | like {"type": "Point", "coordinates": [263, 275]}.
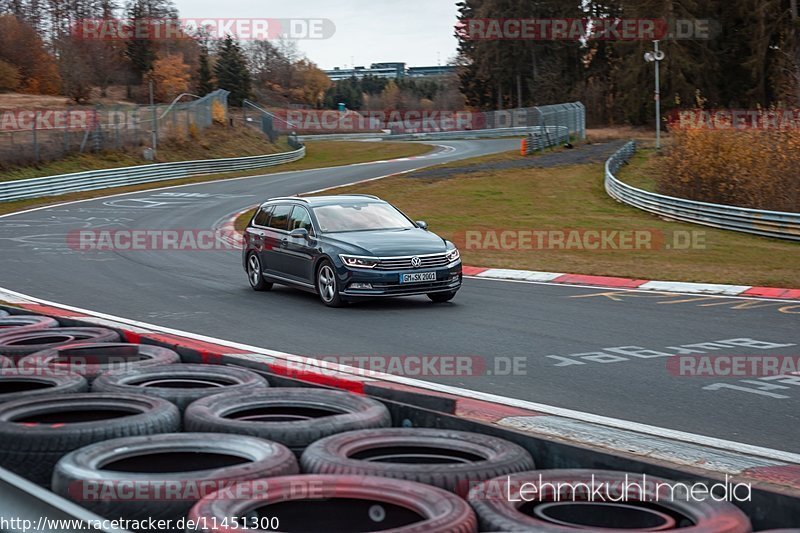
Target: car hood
{"type": "Point", "coordinates": [388, 243]}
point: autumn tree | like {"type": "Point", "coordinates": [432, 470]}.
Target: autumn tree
{"type": "Point", "coordinates": [170, 76]}
{"type": "Point", "coordinates": [9, 76]}
{"type": "Point", "coordinates": [309, 83]}
{"type": "Point", "coordinates": [21, 47]}
{"type": "Point", "coordinates": [76, 72]}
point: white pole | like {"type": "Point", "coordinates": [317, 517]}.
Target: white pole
{"type": "Point", "coordinates": [658, 100]}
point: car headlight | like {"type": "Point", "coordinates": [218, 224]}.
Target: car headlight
{"type": "Point", "coordinates": [453, 255]}
{"type": "Point", "coordinates": [355, 261]}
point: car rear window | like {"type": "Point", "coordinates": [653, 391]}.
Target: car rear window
{"type": "Point", "coordinates": [262, 217]}
{"type": "Point", "coordinates": [280, 217]}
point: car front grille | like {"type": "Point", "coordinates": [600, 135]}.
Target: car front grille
{"type": "Point", "coordinates": [404, 263]}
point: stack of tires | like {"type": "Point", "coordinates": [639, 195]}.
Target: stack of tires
{"type": "Point", "coordinates": [128, 431]}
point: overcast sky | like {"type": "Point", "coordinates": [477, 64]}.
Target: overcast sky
{"type": "Point", "coordinates": [417, 32]}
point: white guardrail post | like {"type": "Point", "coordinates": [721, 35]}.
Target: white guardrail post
{"type": "Point", "coordinates": [120, 177]}
{"type": "Point", "coordinates": [782, 225]}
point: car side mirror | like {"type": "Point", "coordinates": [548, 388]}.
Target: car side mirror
{"type": "Point", "coordinates": [299, 233]}
{"type": "Point", "coordinates": [422, 224]}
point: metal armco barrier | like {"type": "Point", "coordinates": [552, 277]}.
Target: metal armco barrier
{"type": "Point", "coordinates": [118, 177]}
{"type": "Point", "coordinates": [777, 224]}
{"type": "Point", "coordinates": [557, 133]}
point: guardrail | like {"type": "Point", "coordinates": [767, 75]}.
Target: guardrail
{"type": "Point", "coordinates": [118, 177]}
{"type": "Point", "coordinates": [781, 225]}
{"type": "Point", "coordinates": [559, 132]}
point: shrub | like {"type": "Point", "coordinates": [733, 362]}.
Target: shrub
{"type": "Point", "coordinates": [759, 169]}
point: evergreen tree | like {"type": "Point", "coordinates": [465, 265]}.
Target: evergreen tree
{"type": "Point", "coordinates": [205, 83]}
{"type": "Point", "coordinates": [231, 71]}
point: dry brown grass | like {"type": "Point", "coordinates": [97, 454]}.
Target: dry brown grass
{"type": "Point", "coordinates": [749, 168]}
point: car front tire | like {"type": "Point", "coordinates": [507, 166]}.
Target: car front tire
{"type": "Point", "coordinates": [254, 274]}
{"type": "Point", "coordinates": [328, 285]}
{"type": "Point", "coordinates": [442, 297]}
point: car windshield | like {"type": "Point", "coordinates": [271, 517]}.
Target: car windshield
{"type": "Point", "coordinates": [360, 217]}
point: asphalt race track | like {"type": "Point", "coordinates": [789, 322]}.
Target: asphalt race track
{"type": "Point", "coordinates": [568, 343]}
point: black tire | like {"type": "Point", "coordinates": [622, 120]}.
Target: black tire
{"type": "Point", "coordinates": [35, 433]}
{"type": "Point", "coordinates": [196, 464]}
{"type": "Point", "coordinates": [93, 359]}
{"type": "Point", "coordinates": [327, 284]}
{"type": "Point", "coordinates": [181, 384]}
{"type": "Point", "coordinates": [447, 459]}
{"type": "Point", "coordinates": [16, 384]}
{"type": "Point", "coordinates": [442, 297]}
{"type": "Point", "coordinates": [21, 323]}
{"type": "Point", "coordinates": [5, 362]}
{"type": "Point", "coordinates": [18, 345]}
{"type": "Point", "coordinates": [494, 501]}
{"type": "Point", "coordinates": [295, 417]}
{"type": "Point", "coordinates": [340, 503]}
{"type": "Point", "coordinates": [254, 274]}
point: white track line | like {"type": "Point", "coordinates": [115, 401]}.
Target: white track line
{"type": "Point", "coordinates": [645, 429]}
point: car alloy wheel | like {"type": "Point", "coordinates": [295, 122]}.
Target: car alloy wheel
{"type": "Point", "coordinates": [254, 274]}
{"type": "Point", "coordinates": [327, 287]}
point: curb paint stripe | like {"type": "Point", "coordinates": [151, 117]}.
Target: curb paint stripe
{"type": "Point", "coordinates": [610, 282]}
{"type": "Point", "coordinates": [605, 281]}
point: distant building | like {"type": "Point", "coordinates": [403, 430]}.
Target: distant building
{"type": "Point", "coordinates": [425, 72]}
{"type": "Point", "coordinates": [394, 70]}
{"type": "Point", "coordinates": [360, 72]}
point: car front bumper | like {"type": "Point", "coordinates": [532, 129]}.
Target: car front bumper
{"type": "Point", "coordinates": [386, 283]}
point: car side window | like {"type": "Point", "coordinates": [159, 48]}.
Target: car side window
{"type": "Point", "coordinates": [280, 217]}
{"type": "Point", "coordinates": [301, 219]}
{"type": "Point", "coordinates": [262, 217]}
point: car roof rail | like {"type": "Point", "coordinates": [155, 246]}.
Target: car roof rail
{"type": "Point", "coordinates": [295, 198]}
{"type": "Point", "coordinates": [366, 196]}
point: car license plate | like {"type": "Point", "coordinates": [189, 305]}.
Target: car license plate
{"type": "Point", "coordinates": [418, 277]}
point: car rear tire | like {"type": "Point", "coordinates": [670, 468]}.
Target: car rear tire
{"type": "Point", "coordinates": [328, 285]}
{"type": "Point", "coordinates": [196, 464]}
{"type": "Point", "coordinates": [442, 297]}
{"type": "Point", "coordinates": [255, 274]}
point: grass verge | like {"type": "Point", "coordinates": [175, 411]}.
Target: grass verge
{"type": "Point", "coordinates": [213, 143]}
{"type": "Point", "coordinates": [318, 154]}
{"type": "Point", "coordinates": [570, 198]}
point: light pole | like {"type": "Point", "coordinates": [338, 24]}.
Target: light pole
{"type": "Point", "coordinates": [656, 56]}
